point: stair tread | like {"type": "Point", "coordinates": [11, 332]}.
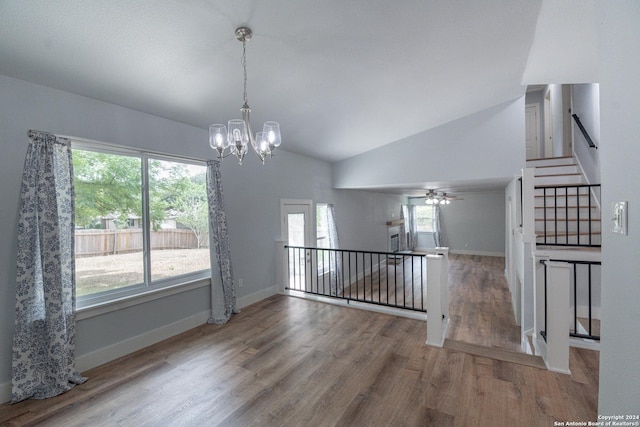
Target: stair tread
{"type": "Point", "coordinates": [550, 158]}
{"type": "Point", "coordinates": [557, 166]}
{"type": "Point", "coordinates": [569, 219]}
{"type": "Point", "coordinates": [562, 207]}
{"type": "Point", "coordinates": [561, 196]}
{"type": "Point", "coordinates": [564, 234]}
{"type": "Point", "coordinates": [559, 174]}
{"type": "Point", "coordinates": [585, 185]}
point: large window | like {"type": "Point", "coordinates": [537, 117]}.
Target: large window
{"type": "Point", "coordinates": [141, 221]}
{"type": "Point", "coordinates": [424, 218]}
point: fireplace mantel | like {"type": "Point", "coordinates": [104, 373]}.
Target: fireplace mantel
{"type": "Point", "coordinates": [395, 222]}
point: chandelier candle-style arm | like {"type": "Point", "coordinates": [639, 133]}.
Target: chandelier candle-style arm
{"type": "Point", "coordinates": [239, 135]}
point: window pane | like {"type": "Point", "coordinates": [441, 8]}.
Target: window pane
{"type": "Point", "coordinates": [108, 213]}
{"type": "Point", "coordinates": [179, 218]}
{"type": "Point", "coordinates": [424, 218]}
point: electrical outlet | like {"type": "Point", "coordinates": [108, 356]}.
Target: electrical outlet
{"type": "Point", "coordinates": [620, 218]}
{"type": "Point", "coordinates": [240, 283]}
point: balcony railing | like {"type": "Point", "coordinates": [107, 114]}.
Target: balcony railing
{"type": "Point", "coordinates": [390, 279]}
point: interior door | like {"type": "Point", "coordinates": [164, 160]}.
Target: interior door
{"type": "Point", "coordinates": [297, 232]}
{"type": "Point", "coordinates": [532, 125]}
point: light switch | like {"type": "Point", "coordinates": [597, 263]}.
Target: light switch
{"type": "Point", "coordinates": [620, 218]}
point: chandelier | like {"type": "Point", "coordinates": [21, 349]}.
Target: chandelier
{"type": "Point", "coordinates": [238, 134]}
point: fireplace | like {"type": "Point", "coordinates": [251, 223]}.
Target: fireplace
{"type": "Point", "coordinates": [394, 228]}
{"type": "Point", "coordinates": [394, 242]}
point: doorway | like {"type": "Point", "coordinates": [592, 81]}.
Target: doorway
{"type": "Point", "coordinates": [297, 232]}
{"type": "Point", "coordinates": [532, 125]}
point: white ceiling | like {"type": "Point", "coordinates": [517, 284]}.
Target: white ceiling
{"type": "Point", "coordinates": [341, 77]}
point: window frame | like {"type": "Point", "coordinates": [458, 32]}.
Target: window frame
{"type": "Point", "coordinates": [149, 289]}
{"type": "Point", "coordinates": [431, 231]}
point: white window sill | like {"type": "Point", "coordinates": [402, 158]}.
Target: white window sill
{"type": "Point", "coordinates": [97, 309]}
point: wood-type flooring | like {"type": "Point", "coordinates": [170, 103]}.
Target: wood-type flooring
{"type": "Point", "coordinates": [292, 362]}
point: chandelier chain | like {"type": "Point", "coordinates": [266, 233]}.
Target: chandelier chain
{"type": "Point", "coordinates": [244, 67]}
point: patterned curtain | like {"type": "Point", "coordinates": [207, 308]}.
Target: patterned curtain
{"type": "Point", "coordinates": [403, 229]}
{"type": "Point", "coordinates": [335, 260]}
{"type": "Point", "coordinates": [412, 227]}
{"type": "Point", "coordinates": [223, 295]}
{"type": "Point", "coordinates": [43, 362]}
{"type": "Point", "coordinates": [437, 232]}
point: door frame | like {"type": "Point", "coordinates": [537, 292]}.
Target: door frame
{"type": "Point", "coordinates": [309, 232]}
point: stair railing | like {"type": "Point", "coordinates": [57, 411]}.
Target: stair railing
{"type": "Point", "coordinates": [586, 135]}
{"type": "Point", "coordinates": [557, 204]}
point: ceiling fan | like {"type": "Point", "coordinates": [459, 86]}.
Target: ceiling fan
{"type": "Point", "coordinates": [435, 198]}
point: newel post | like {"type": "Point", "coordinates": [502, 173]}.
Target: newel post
{"type": "Point", "coordinates": [558, 321]}
{"type": "Point", "coordinates": [437, 298]}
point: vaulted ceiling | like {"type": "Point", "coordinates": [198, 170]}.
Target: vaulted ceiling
{"type": "Point", "coordinates": [342, 77]}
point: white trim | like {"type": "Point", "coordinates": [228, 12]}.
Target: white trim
{"type": "Point", "coordinates": [140, 298]}
{"type": "Point", "coordinates": [305, 202]}
{"type": "Point", "coordinates": [481, 253]}
{"type": "Point", "coordinates": [584, 343]}
{"type": "Point", "coordinates": [524, 342]}
{"type": "Point", "coordinates": [138, 342]}
{"type": "Point", "coordinates": [255, 297]}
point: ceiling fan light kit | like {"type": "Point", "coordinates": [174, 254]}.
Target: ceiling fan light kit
{"type": "Point", "coordinates": [237, 135]}
{"type": "Point", "coordinates": [433, 198]}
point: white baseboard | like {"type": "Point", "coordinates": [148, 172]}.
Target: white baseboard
{"type": "Point", "coordinates": [255, 297]}
{"type": "Point", "coordinates": [481, 253]}
{"type": "Point", "coordinates": [122, 348]}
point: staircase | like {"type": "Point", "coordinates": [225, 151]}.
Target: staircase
{"type": "Point", "coordinates": [567, 208]}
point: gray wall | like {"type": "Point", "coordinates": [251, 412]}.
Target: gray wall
{"type": "Point", "coordinates": [586, 104]}
{"type": "Point", "coordinates": [362, 218]}
{"type": "Point", "coordinates": [619, 53]}
{"type": "Point", "coordinates": [475, 224]}
{"type": "Point", "coordinates": [465, 149]}
{"type": "Point", "coordinates": [252, 197]}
